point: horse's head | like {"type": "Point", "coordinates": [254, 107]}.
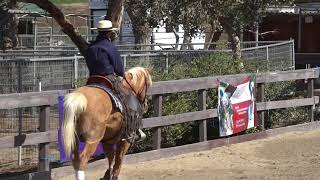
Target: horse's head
{"type": "Point", "coordinates": [139, 80]}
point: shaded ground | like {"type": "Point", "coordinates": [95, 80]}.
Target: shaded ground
{"type": "Point", "coordinates": [293, 156]}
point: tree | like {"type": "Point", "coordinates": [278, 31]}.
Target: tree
{"type": "Point", "coordinates": [144, 15]}
{"type": "Point", "coordinates": [115, 13]}
{"type": "Point", "coordinates": [139, 12]}
{"type": "Point", "coordinates": [236, 16]}
{"type": "Point", "coordinates": [188, 13]}
{"type": "Point", "coordinates": [8, 25]}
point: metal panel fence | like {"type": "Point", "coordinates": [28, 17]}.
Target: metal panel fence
{"type": "Point", "coordinates": [51, 73]}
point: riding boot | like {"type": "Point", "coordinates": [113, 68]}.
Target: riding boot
{"type": "Point", "coordinates": [140, 135]}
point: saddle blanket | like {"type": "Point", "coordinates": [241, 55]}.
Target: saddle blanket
{"type": "Point", "coordinates": [113, 95]}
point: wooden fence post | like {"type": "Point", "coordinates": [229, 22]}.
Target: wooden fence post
{"type": "Point", "coordinates": [44, 162]}
{"type": "Point", "coordinates": [311, 95]}
{"type": "Point", "coordinates": [156, 134]}
{"type": "Point", "coordinates": [202, 105]}
{"type": "Point", "coordinates": [261, 98]}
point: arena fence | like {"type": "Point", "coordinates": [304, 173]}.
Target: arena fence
{"type": "Point", "coordinates": [32, 73]}
{"type": "Point", "coordinates": [42, 138]}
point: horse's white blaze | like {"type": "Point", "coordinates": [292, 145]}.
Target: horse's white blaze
{"type": "Point", "coordinates": [74, 104]}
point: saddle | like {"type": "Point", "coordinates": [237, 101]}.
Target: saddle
{"type": "Point", "coordinates": [96, 79]}
{"type": "Point", "coordinates": [124, 100]}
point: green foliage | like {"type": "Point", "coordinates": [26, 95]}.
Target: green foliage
{"type": "Point", "coordinates": [203, 66]}
{"type": "Point", "coordinates": [252, 130]}
{"type": "Point", "coordinates": [213, 65]}
{"type": "Point", "coordinates": [285, 91]}
{"type": "Point", "coordinates": [80, 82]}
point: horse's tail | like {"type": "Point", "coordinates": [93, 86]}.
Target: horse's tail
{"type": "Point", "coordinates": [74, 104]}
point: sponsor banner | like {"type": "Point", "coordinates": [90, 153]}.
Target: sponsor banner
{"type": "Point", "coordinates": [236, 106]}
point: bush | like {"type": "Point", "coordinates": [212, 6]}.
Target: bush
{"type": "Point", "coordinates": [213, 65]}
{"type": "Point", "coordinates": [202, 66]}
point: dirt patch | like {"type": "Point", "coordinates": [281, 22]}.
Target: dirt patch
{"type": "Point", "coordinates": [293, 156]}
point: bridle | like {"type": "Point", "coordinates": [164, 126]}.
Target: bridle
{"type": "Point", "coordinates": [141, 100]}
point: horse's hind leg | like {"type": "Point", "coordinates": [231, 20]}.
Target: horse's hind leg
{"type": "Point", "coordinates": [110, 152]}
{"type": "Point", "coordinates": [122, 149]}
{"type": "Point", "coordinates": [80, 162]}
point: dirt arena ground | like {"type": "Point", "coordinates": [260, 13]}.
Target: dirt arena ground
{"type": "Point", "coordinates": [292, 156]}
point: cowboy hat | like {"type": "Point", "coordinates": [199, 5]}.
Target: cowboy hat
{"type": "Point", "coordinates": [105, 25]}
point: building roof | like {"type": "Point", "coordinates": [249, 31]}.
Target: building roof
{"type": "Point", "coordinates": [28, 8]}
{"type": "Point", "coordinates": [304, 8]}
{"type": "Point", "coordinates": [31, 8]}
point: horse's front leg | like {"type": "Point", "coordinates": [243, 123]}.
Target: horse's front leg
{"type": "Point", "coordinates": [110, 152]}
{"type": "Point", "coordinates": [80, 162]}
{"type": "Point", "coordinates": [121, 151]}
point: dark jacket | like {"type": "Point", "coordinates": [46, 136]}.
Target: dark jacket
{"type": "Point", "coordinates": [103, 58]}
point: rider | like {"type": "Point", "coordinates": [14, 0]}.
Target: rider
{"type": "Point", "coordinates": [103, 58]}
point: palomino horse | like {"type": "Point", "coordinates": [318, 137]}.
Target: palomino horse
{"type": "Point", "coordinates": [90, 116]}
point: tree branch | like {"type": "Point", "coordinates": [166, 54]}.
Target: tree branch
{"type": "Point", "coordinates": [66, 26]}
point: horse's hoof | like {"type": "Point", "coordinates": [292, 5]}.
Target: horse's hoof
{"type": "Point", "coordinates": [107, 175]}
{"type": "Point", "coordinates": [114, 178]}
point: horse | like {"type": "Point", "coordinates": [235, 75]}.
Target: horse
{"type": "Point", "coordinates": [90, 116]}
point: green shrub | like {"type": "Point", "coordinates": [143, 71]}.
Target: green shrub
{"type": "Point", "coordinates": [213, 65]}
{"type": "Point", "coordinates": [202, 66]}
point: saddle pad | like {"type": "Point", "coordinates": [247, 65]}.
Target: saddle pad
{"type": "Point", "coordinates": [114, 97]}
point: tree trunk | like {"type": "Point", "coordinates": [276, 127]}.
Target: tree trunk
{"type": "Point", "coordinates": [115, 12]}
{"type": "Point", "coordinates": [8, 28]}
{"type": "Point", "coordinates": [141, 29]}
{"type": "Point", "coordinates": [209, 33]}
{"type": "Point", "coordinates": [177, 39]}
{"type": "Point", "coordinates": [235, 45]}
{"type": "Point", "coordinates": [66, 26]}
{"type": "Point", "coordinates": [142, 35]}
{"type": "Point", "coordinates": [215, 38]}
{"type": "Point", "coordinates": [186, 42]}
{"type": "Point", "coordinates": [256, 33]}
{"type": "Point", "coordinates": [233, 38]}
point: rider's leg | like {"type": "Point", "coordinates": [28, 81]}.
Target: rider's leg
{"type": "Point", "coordinates": [140, 135]}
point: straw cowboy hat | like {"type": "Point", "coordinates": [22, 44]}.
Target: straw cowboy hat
{"type": "Point", "coordinates": [105, 25]}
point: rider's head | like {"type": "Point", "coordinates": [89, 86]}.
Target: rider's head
{"type": "Point", "coordinates": [106, 30]}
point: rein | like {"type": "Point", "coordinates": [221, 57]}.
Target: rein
{"type": "Point", "coordinates": [145, 96]}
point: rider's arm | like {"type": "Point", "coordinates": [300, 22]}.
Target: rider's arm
{"type": "Point", "coordinates": [117, 63]}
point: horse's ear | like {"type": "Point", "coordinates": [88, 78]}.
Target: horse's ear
{"type": "Point", "coordinates": [129, 76]}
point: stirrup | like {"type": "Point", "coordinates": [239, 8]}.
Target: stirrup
{"type": "Point", "coordinates": [140, 136]}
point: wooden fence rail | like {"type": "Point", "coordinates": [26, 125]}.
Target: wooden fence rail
{"type": "Point", "coordinates": [45, 100]}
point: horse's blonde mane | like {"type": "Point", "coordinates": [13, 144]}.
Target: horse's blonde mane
{"type": "Point", "coordinates": [136, 74]}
